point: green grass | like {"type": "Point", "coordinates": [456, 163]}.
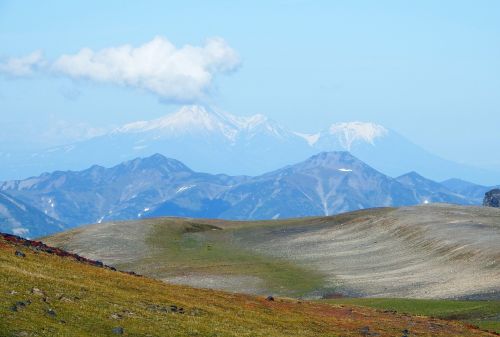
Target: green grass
{"type": "Point", "coordinates": [485, 314]}
{"type": "Point", "coordinates": [91, 301]}
{"type": "Point", "coordinates": [213, 247]}
{"type": "Point", "coordinates": [191, 247]}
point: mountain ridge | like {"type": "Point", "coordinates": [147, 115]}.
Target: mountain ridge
{"type": "Point", "coordinates": [324, 184]}
{"type": "Point", "coordinates": [215, 141]}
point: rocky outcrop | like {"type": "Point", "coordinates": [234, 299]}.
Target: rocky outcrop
{"type": "Point", "coordinates": [492, 198]}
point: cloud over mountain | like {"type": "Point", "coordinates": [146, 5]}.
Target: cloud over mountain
{"type": "Point", "coordinates": [158, 66]}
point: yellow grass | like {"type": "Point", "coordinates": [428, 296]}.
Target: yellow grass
{"type": "Point", "coordinates": [91, 301]}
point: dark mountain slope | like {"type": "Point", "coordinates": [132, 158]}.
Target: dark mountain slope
{"type": "Point", "coordinates": [428, 191]}
{"type": "Point", "coordinates": [17, 217]}
{"type": "Point", "coordinates": [325, 184]}
{"type": "Point", "coordinates": [125, 191]}
{"type": "Point", "coordinates": [473, 192]}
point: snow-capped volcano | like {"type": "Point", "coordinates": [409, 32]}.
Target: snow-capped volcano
{"type": "Point", "coordinates": [189, 119]}
{"type": "Point", "coordinates": [345, 135]}
{"type": "Point", "coordinates": [196, 120]}
{"type": "Point", "coordinates": [214, 141]}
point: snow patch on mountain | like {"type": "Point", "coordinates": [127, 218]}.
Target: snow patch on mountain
{"type": "Point", "coordinates": [184, 188]}
{"type": "Point", "coordinates": [14, 202]}
{"type": "Point", "coordinates": [20, 231]}
{"type": "Point", "coordinates": [350, 132]}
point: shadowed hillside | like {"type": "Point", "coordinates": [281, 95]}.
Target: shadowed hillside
{"type": "Point", "coordinates": [20, 218]}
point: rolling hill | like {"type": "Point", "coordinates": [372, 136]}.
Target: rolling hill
{"type": "Point", "coordinates": [47, 292]}
{"type": "Point", "coordinates": [429, 251]}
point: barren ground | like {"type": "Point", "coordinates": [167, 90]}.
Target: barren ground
{"type": "Point", "coordinates": [432, 251]}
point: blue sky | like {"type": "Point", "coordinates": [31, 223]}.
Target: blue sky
{"type": "Point", "coordinates": [427, 69]}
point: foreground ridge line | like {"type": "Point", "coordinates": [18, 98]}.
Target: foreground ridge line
{"type": "Point", "coordinates": [38, 246]}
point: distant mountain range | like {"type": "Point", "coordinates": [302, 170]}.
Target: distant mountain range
{"type": "Point", "coordinates": [19, 218]}
{"type": "Point", "coordinates": [213, 141]}
{"type": "Point", "coordinates": [325, 184]}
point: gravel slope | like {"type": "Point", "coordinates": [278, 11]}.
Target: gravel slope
{"type": "Point", "coordinates": [431, 251]}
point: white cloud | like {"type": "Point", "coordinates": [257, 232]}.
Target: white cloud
{"type": "Point", "coordinates": [22, 66]}
{"type": "Point", "coordinates": [181, 74]}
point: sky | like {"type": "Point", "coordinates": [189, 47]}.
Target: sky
{"type": "Point", "coordinates": [429, 70]}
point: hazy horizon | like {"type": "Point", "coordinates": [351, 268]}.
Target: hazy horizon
{"type": "Point", "coordinates": [430, 71]}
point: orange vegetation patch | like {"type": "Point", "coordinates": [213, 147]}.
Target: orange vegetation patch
{"type": "Point", "coordinates": [361, 321]}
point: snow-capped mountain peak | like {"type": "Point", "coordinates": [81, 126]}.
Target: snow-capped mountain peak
{"type": "Point", "coordinates": [192, 118]}
{"type": "Point", "coordinates": [195, 119]}
{"type": "Point", "coordinates": [350, 132]}
{"type": "Point", "coordinates": [211, 140]}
